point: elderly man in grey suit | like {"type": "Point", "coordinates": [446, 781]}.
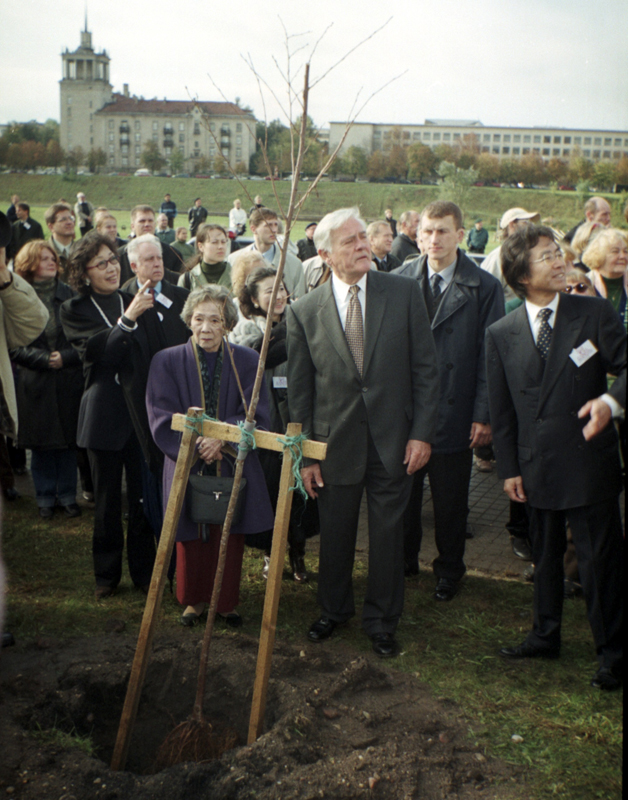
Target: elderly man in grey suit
{"type": "Point", "coordinates": [362, 377]}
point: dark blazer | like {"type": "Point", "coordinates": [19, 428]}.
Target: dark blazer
{"type": "Point", "coordinates": [20, 235]}
{"type": "Point", "coordinates": [395, 399]}
{"type": "Point", "coordinates": [472, 301]}
{"type": "Point", "coordinates": [534, 411]}
{"type": "Point", "coordinates": [390, 263]}
{"type": "Point", "coordinates": [404, 247]}
{"type": "Point", "coordinates": [104, 420]}
{"type": "Point", "coordinates": [172, 264]}
{"type": "Point", "coordinates": [48, 399]}
{"type": "Point", "coordinates": [306, 248]}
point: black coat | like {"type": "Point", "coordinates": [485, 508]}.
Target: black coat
{"type": "Point", "coordinates": [172, 264]}
{"type": "Point", "coordinates": [388, 264]}
{"type": "Point", "coordinates": [48, 399]}
{"type": "Point", "coordinates": [20, 235]}
{"type": "Point", "coordinates": [306, 249]}
{"type": "Point", "coordinates": [534, 410]}
{"type": "Point", "coordinates": [404, 247]}
{"type": "Point", "coordinates": [472, 301]}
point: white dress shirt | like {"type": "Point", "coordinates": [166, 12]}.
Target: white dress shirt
{"type": "Point", "coordinates": [342, 296]}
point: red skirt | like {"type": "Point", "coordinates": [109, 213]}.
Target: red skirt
{"type": "Point", "coordinates": [196, 568]}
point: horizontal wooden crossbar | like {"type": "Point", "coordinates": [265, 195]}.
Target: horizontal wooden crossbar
{"type": "Point", "coordinates": [263, 439]}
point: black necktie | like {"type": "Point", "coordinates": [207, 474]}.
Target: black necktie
{"type": "Point", "coordinates": [435, 282]}
{"type": "Point", "coordinates": [544, 339]}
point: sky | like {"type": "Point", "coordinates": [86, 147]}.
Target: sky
{"type": "Point", "coordinates": [548, 63]}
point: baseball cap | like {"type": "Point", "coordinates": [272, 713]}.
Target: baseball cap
{"type": "Point", "coordinates": [518, 213]}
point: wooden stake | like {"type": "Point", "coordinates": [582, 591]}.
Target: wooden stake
{"type": "Point", "coordinates": [155, 592]}
{"type": "Point", "coordinates": [273, 591]}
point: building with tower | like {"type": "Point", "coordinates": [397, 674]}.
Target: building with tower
{"type": "Point", "coordinates": [93, 116]}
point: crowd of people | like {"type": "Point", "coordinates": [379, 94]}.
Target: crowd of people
{"type": "Point", "coordinates": [402, 352]}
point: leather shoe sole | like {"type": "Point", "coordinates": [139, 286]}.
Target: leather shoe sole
{"type": "Point", "coordinates": [605, 680]}
{"type": "Point", "coordinates": [321, 629]}
{"type": "Point", "coordinates": [525, 650]}
{"type": "Point", "coordinates": [521, 548]}
{"type": "Point", "coordinates": [191, 619]}
{"type": "Point", "coordinates": [103, 592]}
{"type": "Point", "coordinates": [384, 645]}
{"type": "Point", "coordinates": [445, 590]}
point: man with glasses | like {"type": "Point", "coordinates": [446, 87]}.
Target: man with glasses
{"type": "Point", "coordinates": [555, 445]}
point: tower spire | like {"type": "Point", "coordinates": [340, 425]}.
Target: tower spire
{"type": "Point", "coordinates": [85, 17]}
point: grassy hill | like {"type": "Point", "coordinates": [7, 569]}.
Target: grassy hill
{"type": "Point", "coordinates": [122, 193]}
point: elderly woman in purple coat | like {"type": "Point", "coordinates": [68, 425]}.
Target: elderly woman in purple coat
{"type": "Point", "coordinates": [200, 373]}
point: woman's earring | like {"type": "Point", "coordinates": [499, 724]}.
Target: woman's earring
{"type": "Point", "coordinates": [87, 281]}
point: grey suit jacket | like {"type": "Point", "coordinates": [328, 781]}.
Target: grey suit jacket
{"type": "Point", "coordinates": [534, 410]}
{"type": "Point", "coordinates": [395, 399]}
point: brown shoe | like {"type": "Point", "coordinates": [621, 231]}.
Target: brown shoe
{"type": "Point", "coordinates": [104, 591]}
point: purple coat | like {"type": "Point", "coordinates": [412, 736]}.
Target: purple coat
{"type": "Point", "coordinates": [174, 385]}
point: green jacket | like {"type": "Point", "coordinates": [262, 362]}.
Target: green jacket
{"type": "Point", "coordinates": [195, 278]}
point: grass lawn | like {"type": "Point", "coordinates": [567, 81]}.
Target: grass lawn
{"type": "Point", "coordinates": [572, 735]}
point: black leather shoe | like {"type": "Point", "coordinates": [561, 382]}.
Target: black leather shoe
{"type": "Point", "coordinates": [521, 548]}
{"type": "Point", "coordinates": [72, 510]}
{"type": "Point", "coordinates": [321, 629]}
{"type": "Point", "coordinates": [384, 645]}
{"type": "Point", "coordinates": [525, 650]}
{"type": "Point", "coordinates": [411, 568]}
{"type": "Point", "coordinates": [46, 512]}
{"type": "Point", "coordinates": [297, 566]}
{"type": "Point", "coordinates": [191, 619]}
{"type": "Point", "coordinates": [606, 680]}
{"type": "Point", "coordinates": [11, 494]}
{"type": "Point", "coordinates": [232, 619]}
{"type": "Point", "coordinates": [446, 589]}
{"type": "Point", "coordinates": [102, 592]}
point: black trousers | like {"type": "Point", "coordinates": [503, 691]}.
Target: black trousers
{"type": "Point", "coordinates": [108, 540]}
{"type": "Point", "coordinates": [598, 539]}
{"type": "Point", "coordinates": [339, 508]}
{"type": "Point", "coordinates": [449, 475]}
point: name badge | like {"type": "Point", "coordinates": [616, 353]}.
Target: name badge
{"type": "Point", "coordinates": [165, 301]}
{"type": "Point", "coordinates": [579, 355]}
{"type": "Point", "coordinates": [280, 382]}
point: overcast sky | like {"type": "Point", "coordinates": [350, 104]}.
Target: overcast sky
{"type": "Point", "coordinates": [504, 62]}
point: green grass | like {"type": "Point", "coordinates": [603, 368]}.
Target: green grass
{"type": "Point", "coordinates": [572, 735]}
{"type": "Point", "coordinates": [122, 193]}
{"type": "Point", "coordinates": [66, 741]}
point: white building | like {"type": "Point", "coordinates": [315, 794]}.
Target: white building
{"type": "Point", "coordinates": [502, 142]}
{"type": "Point", "coordinates": [94, 116]}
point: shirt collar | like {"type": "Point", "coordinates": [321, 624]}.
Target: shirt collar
{"type": "Point", "coordinates": [157, 288]}
{"type": "Point", "coordinates": [533, 310]}
{"type": "Point", "coordinates": [446, 274]}
{"type": "Point", "coordinates": [341, 289]}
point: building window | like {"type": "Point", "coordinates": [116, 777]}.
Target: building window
{"type": "Point", "coordinates": [111, 124]}
{"type": "Point", "coordinates": [238, 140]}
{"type": "Point", "coordinates": [556, 151]}
{"type": "Point", "coordinates": [496, 151]}
{"type": "Point", "coordinates": [406, 134]}
{"type": "Point", "coordinates": [607, 154]}
{"type": "Point", "coordinates": [112, 137]}
{"type": "Point", "coordinates": [617, 154]}
{"type": "Point", "coordinates": [124, 148]}
{"type": "Point", "coordinates": [447, 137]}
{"type": "Point", "coordinates": [155, 126]}
{"type": "Point", "coordinates": [506, 137]}
{"type": "Point", "coordinates": [546, 151]}
{"type": "Point", "coordinates": [138, 161]}
{"type": "Point", "coordinates": [437, 137]}
{"type": "Point", "coordinates": [556, 139]}
{"type": "Point", "coordinates": [516, 137]}
{"type": "Point", "coordinates": [238, 152]}
{"type": "Point", "coordinates": [577, 140]}
{"type": "Point", "coordinates": [69, 112]}
{"type": "Point", "coordinates": [181, 137]}
{"type": "Point", "coordinates": [515, 151]}
{"type": "Point", "coordinates": [617, 142]}
{"type": "Point", "coordinates": [197, 129]}
{"type": "Point", "coordinates": [138, 149]}
{"type": "Point", "coordinates": [427, 135]}
{"type": "Point", "coordinates": [497, 137]}
{"type": "Point", "coordinates": [608, 141]}
{"type": "Point", "coordinates": [486, 137]}
{"type": "Point", "coordinates": [536, 151]}
{"type": "Point", "coordinates": [212, 126]}
{"type": "Point", "coordinates": [155, 137]}
{"type": "Point", "coordinates": [566, 151]}
{"type": "Point", "coordinates": [416, 135]}
{"type": "Point", "coordinates": [238, 127]}
{"type": "Point", "coordinates": [111, 148]}
{"type": "Point", "coordinates": [597, 141]}
{"type": "Point", "coordinates": [567, 140]}
{"type": "Point", "coordinates": [182, 126]}
{"type": "Point", "coordinates": [197, 153]}
{"type": "Point", "coordinates": [537, 139]}
{"type": "Point", "coordinates": [596, 154]}
{"type": "Point", "coordinates": [505, 151]}
{"type": "Point", "coordinates": [386, 134]}
{"type": "Point", "coordinates": [196, 146]}
{"type": "Point", "coordinates": [138, 137]}
{"type": "Point", "coordinates": [212, 151]}
{"type": "Point", "coordinates": [125, 162]}
{"type": "Point", "coordinates": [485, 149]}
{"type": "Point", "coordinates": [586, 153]}
{"type": "Point", "coordinates": [525, 151]}
{"type": "Point", "coordinates": [168, 150]}
{"type": "Point", "coordinates": [181, 149]}
{"type": "Point", "coordinates": [91, 140]}
{"type": "Point", "coordinates": [546, 139]}
{"type": "Point", "coordinates": [456, 135]}
{"type": "Point", "coordinates": [138, 124]}
{"type": "Point", "coordinates": [587, 140]}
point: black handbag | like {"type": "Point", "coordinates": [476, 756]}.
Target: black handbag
{"type": "Point", "coordinates": [207, 498]}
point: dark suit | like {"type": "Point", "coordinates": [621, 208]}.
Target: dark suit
{"type": "Point", "coordinates": [537, 435]}
{"type": "Point", "coordinates": [20, 234]}
{"type": "Point", "coordinates": [472, 301]}
{"type": "Point", "coordinates": [404, 247]}
{"type": "Point", "coordinates": [171, 259]}
{"type": "Point", "coordinates": [387, 264]}
{"type": "Point", "coordinates": [366, 422]}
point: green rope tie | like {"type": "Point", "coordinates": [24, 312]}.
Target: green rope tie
{"type": "Point", "coordinates": [191, 423]}
{"type": "Point", "coordinates": [295, 445]}
{"type": "Point", "coordinates": [247, 439]}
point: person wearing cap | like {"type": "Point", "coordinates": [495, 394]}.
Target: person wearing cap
{"type": "Point", "coordinates": [511, 221]}
{"type": "Point", "coordinates": [306, 247]}
{"type": "Point", "coordinates": [477, 237]}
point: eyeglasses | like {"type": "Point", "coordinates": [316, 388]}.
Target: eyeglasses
{"type": "Point", "coordinates": [550, 258]}
{"type": "Point", "coordinates": [101, 265]}
{"type": "Point", "coordinates": [581, 288]}
{"type": "Point", "coordinates": [64, 219]}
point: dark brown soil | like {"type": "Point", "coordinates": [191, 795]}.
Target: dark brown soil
{"type": "Point", "coordinates": [337, 726]}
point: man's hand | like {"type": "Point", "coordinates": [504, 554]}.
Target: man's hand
{"type": "Point", "coordinates": [481, 435]}
{"type": "Point", "coordinates": [417, 455]}
{"type": "Point", "coordinates": [312, 477]}
{"type": "Point", "coordinates": [514, 489]}
{"type": "Point", "coordinates": [142, 301]}
{"type": "Point", "coordinates": [55, 360]}
{"type": "Point", "coordinates": [601, 415]}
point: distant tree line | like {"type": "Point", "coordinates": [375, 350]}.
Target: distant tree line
{"type": "Point", "coordinates": [32, 145]}
{"type": "Point", "coordinates": [418, 162]}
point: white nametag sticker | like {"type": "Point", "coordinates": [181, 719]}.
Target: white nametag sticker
{"type": "Point", "coordinates": [165, 301]}
{"type": "Point", "coordinates": [579, 355]}
{"type": "Point", "coordinates": [161, 316]}
{"type": "Point", "coordinates": [280, 382]}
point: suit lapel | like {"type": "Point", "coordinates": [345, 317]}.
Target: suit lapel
{"type": "Point", "coordinates": [374, 315]}
{"type": "Point", "coordinates": [330, 321]}
{"type": "Point", "coordinates": [565, 335]}
{"type": "Point", "coordinates": [452, 300]}
{"type": "Point", "coordinates": [524, 350]}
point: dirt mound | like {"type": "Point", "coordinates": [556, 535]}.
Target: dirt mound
{"type": "Point", "coordinates": [337, 726]}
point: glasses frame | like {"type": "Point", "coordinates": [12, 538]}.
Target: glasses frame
{"type": "Point", "coordinates": [102, 265]}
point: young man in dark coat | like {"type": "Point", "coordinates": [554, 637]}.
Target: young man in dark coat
{"type": "Point", "coordinates": [23, 230]}
{"type": "Point", "coordinates": [547, 367]}
{"type": "Point", "coordinates": [462, 301]}
{"type": "Point", "coordinates": [197, 216]}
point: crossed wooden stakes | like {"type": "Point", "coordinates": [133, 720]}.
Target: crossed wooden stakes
{"type": "Point", "coordinates": [192, 426]}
